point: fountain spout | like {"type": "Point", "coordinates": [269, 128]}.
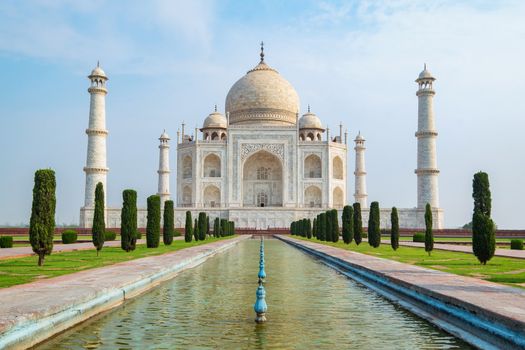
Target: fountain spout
{"type": "Point", "coordinates": [260, 306]}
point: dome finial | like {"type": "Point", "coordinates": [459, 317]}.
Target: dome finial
{"type": "Point", "coordinates": [308, 108]}
{"type": "Point", "coordinates": [215, 107]}
{"type": "Point", "coordinates": [98, 63]}
{"type": "Point", "coordinates": [262, 51]}
{"type": "Point", "coordinates": [425, 66]}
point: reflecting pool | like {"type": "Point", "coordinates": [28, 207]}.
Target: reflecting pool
{"type": "Point", "coordinates": [310, 306]}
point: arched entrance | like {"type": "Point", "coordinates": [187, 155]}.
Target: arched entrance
{"type": "Point", "coordinates": [262, 182]}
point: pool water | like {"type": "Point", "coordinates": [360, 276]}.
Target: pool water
{"type": "Point", "coordinates": [310, 306]}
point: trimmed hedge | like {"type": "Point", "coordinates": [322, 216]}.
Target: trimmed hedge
{"type": "Point", "coordinates": [6, 242]}
{"type": "Point", "coordinates": [418, 237]}
{"type": "Point", "coordinates": [110, 236]}
{"type": "Point", "coordinates": [176, 233]}
{"type": "Point", "coordinates": [138, 235]}
{"type": "Point", "coordinates": [69, 236]}
{"type": "Point", "coordinates": [516, 244]}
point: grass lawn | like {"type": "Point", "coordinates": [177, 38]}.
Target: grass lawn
{"type": "Point", "coordinates": [501, 270]}
{"type": "Point", "coordinates": [445, 239]}
{"type": "Point", "coordinates": [24, 270]}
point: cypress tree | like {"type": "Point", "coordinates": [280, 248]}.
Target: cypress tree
{"type": "Point", "coordinates": [328, 230]}
{"type": "Point", "coordinates": [374, 231]}
{"type": "Point", "coordinates": [483, 228]}
{"type": "Point", "coordinates": [153, 222]}
{"type": "Point", "coordinates": [98, 229]}
{"type": "Point", "coordinates": [322, 227]}
{"type": "Point", "coordinates": [348, 225]}
{"type": "Point", "coordinates": [318, 229]}
{"type": "Point", "coordinates": [168, 229]}
{"type": "Point", "coordinates": [314, 228]}
{"type": "Point", "coordinates": [42, 222]}
{"type": "Point", "coordinates": [335, 226]}
{"type": "Point", "coordinates": [207, 225]}
{"type": "Point", "coordinates": [188, 229]}
{"type": "Point", "coordinates": [217, 227]}
{"type": "Point", "coordinates": [429, 237]}
{"type": "Point", "coordinates": [358, 223]}
{"type": "Point", "coordinates": [202, 226]}
{"type": "Point", "coordinates": [224, 227]}
{"type": "Point", "coordinates": [292, 228]}
{"type": "Point", "coordinates": [394, 232]}
{"type": "Point", "coordinates": [309, 228]}
{"type": "Point", "coordinates": [302, 233]}
{"type": "Point", "coordinates": [233, 228]}
{"type": "Point", "coordinates": [196, 233]}
{"type": "Point", "coordinates": [128, 227]}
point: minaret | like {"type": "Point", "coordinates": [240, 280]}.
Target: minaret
{"type": "Point", "coordinates": [427, 171]}
{"type": "Point", "coordinates": [360, 194]}
{"type": "Point", "coordinates": [96, 168]}
{"type": "Point", "coordinates": [164, 168]}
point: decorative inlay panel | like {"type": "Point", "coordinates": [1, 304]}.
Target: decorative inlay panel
{"type": "Point", "coordinates": [249, 148]}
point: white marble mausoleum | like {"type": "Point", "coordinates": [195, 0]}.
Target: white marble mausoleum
{"type": "Point", "coordinates": [262, 164]}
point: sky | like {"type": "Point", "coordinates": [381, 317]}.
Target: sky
{"type": "Point", "coordinates": [352, 61]}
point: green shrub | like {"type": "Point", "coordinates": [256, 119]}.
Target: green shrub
{"type": "Point", "coordinates": [419, 237]}
{"type": "Point", "coordinates": [6, 242]}
{"type": "Point", "coordinates": [358, 224]}
{"type": "Point", "coordinates": [69, 236]}
{"type": "Point", "coordinates": [374, 232]}
{"type": "Point", "coordinates": [98, 230]}
{"type": "Point", "coordinates": [364, 235]}
{"type": "Point", "coordinates": [176, 233]}
{"type": "Point", "coordinates": [42, 222]}
{"type": "Point", "coordinates": [128, 220]}
{"type": "Point", "coordinates": [516, 244]}
{"type": "Point", "coordinates": [138, 235]}
{"type": "Point", "coordinates": [168, 228]}
{"type": "Point", "coordinates": [110, 236]}
{"type": "Point", "coordinates": [483, 228]}
{"type": "Point", "coordinates": [188, 228]}
{"type": "Point", "coordinates": [153, 222]}
{"type": "Point", "coordinates": [429, 236]}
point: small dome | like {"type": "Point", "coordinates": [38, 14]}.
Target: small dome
{"type": "Point", "coordinates": [310, 121]}
{"type": "Point", "coordinates": [164, 135]}
{"type": "Point", "coordinates": [359, 137]}
{"type": "Point", "coordinates": [98, 72]}
{"type": "Point", "coordinates": [215, 120]}
{"type": "Point", "coordinates": [425, 74]}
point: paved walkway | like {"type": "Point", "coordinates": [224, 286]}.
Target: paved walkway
{"type": "Point", "coordinates": [17, 252]}
{"type": "Point", "coordinates": [495, 301]}
{"type": "Point", "coordinates": [66, 300]}
{"type": "Point", "coordinates": [507, 253]}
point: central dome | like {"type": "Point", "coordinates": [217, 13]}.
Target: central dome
{"type": "Point", "coordinates": [261, 97]}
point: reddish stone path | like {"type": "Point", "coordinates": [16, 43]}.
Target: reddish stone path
{"type": "Point", "coordinates": [495, 301]}
{"type": "Point", "coordinates": [17, 252]}
{"type": "Point", "coordinates": [507, 253]}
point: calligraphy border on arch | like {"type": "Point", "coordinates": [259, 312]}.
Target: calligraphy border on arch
{"type": "Point", "coordinates": [248, 149]}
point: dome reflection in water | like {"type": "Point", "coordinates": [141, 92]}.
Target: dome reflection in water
{"type": "Point", "coordinates": [310, 306]}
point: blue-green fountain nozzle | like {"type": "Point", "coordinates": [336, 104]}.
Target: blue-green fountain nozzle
{"type": "Point", "coordinates": [260, 306]}
{"type": "Point", "coordinates": [262, 273]}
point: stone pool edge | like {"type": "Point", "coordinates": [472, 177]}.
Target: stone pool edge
{"type": "Point", "coordinates": [477, 326]}
{"type": "Point", "coordinates": [33, 328]}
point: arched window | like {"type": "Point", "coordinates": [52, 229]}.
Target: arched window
{"type": "Point", "coordinates": [312, 167]}
{"type": "Point", "coordinates": [212, 166]}
{"type": "Point", "coordinates": [337, 168]}
{"type": "Point", "coordinates": [186, 196]}
{"type": "Point", "coordinates": [214, 136]}
{"type": "Point", "coordinates": [310, 136]}
{"type": "Point", "coordinates": [262, 173]}
{"type": "Point", "coordinates": [187, 171]}
{"type": "Point", "coordinates": [338, 199]}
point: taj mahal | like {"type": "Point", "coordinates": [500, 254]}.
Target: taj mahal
{"type": "Point", "coordinates": [262, 164]}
